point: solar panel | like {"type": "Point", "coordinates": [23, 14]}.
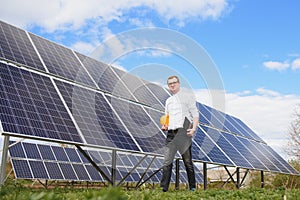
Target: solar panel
{"type": "Point", "coordinates": [225, 122]}
{"type": "Point", "coordinates": [139, 90]}
{"type": "Point", "coordinates": [94, 174]}
{"type": "Point", "coordinates": [215, 154]}
{"type": "Point", "coordinates": [72, 155]}
{"type": "Point", "coordinates": [95, 117]}
{"type": "Point", "coordinates": [38, 169]}
{"type": "Point", "coordinates": [53, 93]}
{"type": "Point", "coordinates": [250, 157]}
{"type": "Point", "coordinates": [105, 77]}
{"type": "Point", "coordinates": [270, 166]}
{"type": "Point", "coordinates": [53, 171]}
{"type": "Point", "coordinates": [21, 169]}
{"type": "Point", "coordinates": [68, 171]}
{"type": "Point", "coordinates": [147, 134]}
{"type": "Point", "coordinates": [16, 150]}
{"type": "Point", "coordinates": [32, 151]}
{"type": "Point", "coordinates": [46, 152]}
{"type": "Point", "coordinates": [281, 160]}
{"type": "Point", "coordinates": [60, 154]}
{"type": "Point", "coordinates": [237, 128]}
{"type": "Point", "coordinates": [227, 147]}
{"type": "Point", "coordinates": [81, 172]}
{"type": "Point", "coordinates": [263, 149]}
{"type": "Point", "coordinates": [68, 166]}
{"type": "Point", "coordinates": [16, 46]}
{"type": "Point", "coordinates": [248, 130]}
{"type": "Point", "coordinates": [159, 92]}
{"type": "Point", "coordinates": [31, 106]}
{"type": "Point", "coordinates": [61, 61]}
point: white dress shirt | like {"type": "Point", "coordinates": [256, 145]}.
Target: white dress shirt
{"type": "Point", "coordinates": [180, 105]}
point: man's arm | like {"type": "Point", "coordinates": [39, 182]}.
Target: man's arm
{"type": "Point", "coordinates": [192, 131]}
{"type": "Point", "coordinates": [195, 114]}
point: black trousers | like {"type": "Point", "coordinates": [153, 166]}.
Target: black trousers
{"type": "Point", "coordinates": [178, 141]}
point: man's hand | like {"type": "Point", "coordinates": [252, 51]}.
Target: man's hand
{"type": "Point", "coordinates": [191, 132]}
{"type": "Point", "coordinates": [164, 128]}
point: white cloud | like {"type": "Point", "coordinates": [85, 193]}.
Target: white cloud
{"type": "Point", "coordinates": [83, 47]}
{"type": "Point", "coordinates": [267, 113]}
{"type": "Point", "coordinates": [280, 66]}
{"type": "Point", "coordinates": [265, 92]}
{"type": "Point", "coordinates": [72, 14]}
{"type": "Point", "coordinates": [296, 64]}
{"type": "Point", "coordinates": [274, 65]}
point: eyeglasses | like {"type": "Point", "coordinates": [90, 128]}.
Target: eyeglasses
{"type": "Point", "coordinates": [173, 83]}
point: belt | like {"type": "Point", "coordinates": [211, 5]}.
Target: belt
{"type": "Point", "coordinates": [173, 131]}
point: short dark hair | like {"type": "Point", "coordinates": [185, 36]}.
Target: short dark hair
{"type": "Point", "coordinates": [174, 77]}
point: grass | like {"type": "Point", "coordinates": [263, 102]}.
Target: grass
{"type": "Point", "coordinates": [16, 190]}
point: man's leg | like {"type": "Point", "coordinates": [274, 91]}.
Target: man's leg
{"type": "Point", "coordinates": [170, 152]}
{"type": "Point", "coordinates": [166, 177]}
{"type": "Point", "coordinates": [187, 159]}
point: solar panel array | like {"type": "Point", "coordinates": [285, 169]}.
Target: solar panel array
{"type": "Point", "coordinates": [49, 92]}
{"type": "Point", "coordinates": [52, 162]}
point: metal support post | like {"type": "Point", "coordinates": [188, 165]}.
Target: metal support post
{"type": "Point", "coordinates": [204, 176]}
{"type": "Point", "coordinates": [4, 159]}
{"type": "Point", "coordinates": [238, 181]}
{"type": "Point", "coordinates": [262, 179]}
{"type": "Point", "coordinates": [177, 174]}
{"type": "Point", "coordinates": [113, 166]}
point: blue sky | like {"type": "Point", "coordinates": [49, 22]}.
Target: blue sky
{"type": "Point", "coordinates": [254, 44]}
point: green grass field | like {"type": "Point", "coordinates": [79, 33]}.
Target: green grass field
{"type": "Point", "coordinates": [16, 190]}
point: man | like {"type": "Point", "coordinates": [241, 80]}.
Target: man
{"type": "Point", "coordinates": [183, 121]}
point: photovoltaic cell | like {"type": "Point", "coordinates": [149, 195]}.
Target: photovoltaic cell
{"type": "Point", "coordinates": [46, 152]}
{"type": "Point", "coordinates": [237, 128]}
{"type": "Point", "coordinates": [198, 153]}
{"type": "Point", "coordinates": [81, 172]}
{"type": "Point", "coordinates": [251, 158]}
{"type": "Point", "coordinates": [280, 159]}
{"type": "Point", "coordinates": [159, 92]}
{"type": "Point", "coordinates": [16, 150]}
{"type": "Point", "coordinates": [60, 154]}
{"type": "Point", "coordinates": [262, 148]}
{"type": "Point", "coordinates": [83, 159]}
{"type": "Point", "coordinates": [143, 129]}
{"type": "Point", "coordinates": [139, 90]}
{"type": "Point", "coordinates": [53, 170]}
{"type": "Point", "coordinates": [248, 130]}
{"type": "Point", "coordinates": [209, 147]}
{"type": "Point", "coordinates": [204, 115]}
{"type": "Point", "coordinates": [31, 151]}
{"type": "Point", "coordinates": [48, 167]}
{"type": "Point", "coordinates": [228, 126]}
{"type": "Point", "coordinates": [94, 174]}
{"type": "Point", "coordinates": [212, 116]}
{"type": "Point", "coordinates": [30, 105]}
{"type": "Point", "coordinates": [61, 61]}
{"type": "Point", "coordinates": [68, 171]}
{"type": "Point", "coordinates": [16, 46]}
{"type": "Point", "coordinates": [105, 77]}
{"type": "Point", "coordinates": [228, 149]}
{"type": "Point", "coordinates": [225, 122]}
{"type": "Point", "coordinates": [38, 169]}
{"type": "Point", "coordinates": [72, 154]}
{"type": "Point", "coordinates": [95, 117]}
{"type": "Point", "coordinates": [21, 169]}
{"type": "Point", "coordinates": [270, 166]}
{"type": "Point", "coordinates": [95, 156]}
